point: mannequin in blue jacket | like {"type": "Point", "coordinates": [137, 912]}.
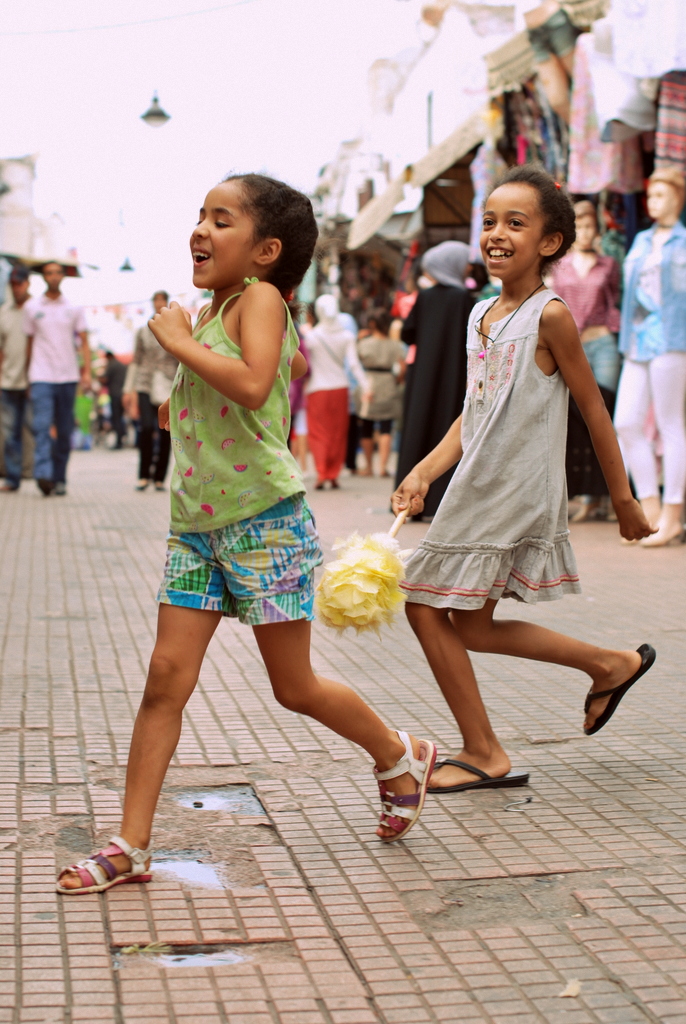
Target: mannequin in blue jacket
{"type": "Point", "coordinates": [653, 341]}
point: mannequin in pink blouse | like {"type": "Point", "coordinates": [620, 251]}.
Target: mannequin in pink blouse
{"type": "Point", "coordinates": [589, 284]}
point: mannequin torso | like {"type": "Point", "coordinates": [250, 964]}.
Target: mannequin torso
{"type": "Point", "coordinates": [589, 282]}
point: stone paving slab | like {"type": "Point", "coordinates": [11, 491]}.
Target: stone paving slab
{"type": "Point", "coordinates": [487, 913]}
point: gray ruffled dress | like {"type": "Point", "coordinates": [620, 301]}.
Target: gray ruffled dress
{"type": "Point", "coordinates": [501, 529]}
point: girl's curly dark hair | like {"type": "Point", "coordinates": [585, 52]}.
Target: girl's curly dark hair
{"type": "Point", "coordinates": [282, 212]}
{"type": "Point", "coordinates": [554, 203]}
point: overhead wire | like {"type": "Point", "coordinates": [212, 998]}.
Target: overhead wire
{"type": "Point", "coordinates": [127, 24]}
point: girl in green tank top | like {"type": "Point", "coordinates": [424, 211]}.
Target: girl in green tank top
{"type": "Point", "coordinates": [232, 462]}
{"type": "Point", "coordinates": [242, 541]}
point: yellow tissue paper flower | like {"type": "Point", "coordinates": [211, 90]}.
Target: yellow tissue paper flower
{"type": "Point", "coordinates": [361, 589]}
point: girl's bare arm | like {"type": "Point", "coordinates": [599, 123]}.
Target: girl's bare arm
{"type": "Point", "coordinates": [412, 491]}
{"type": "Point", "coordinates": [559, 339]}
{"type": "Point", "coordinates": [298, 366]}
{"type": "Point", "coordinates": [246, 381]}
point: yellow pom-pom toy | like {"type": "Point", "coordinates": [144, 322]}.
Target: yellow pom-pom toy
{"type": "Point", "coordinates": [361, 588]}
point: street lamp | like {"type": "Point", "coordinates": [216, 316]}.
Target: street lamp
{"type": "Point", "coordinates": [155, 116]}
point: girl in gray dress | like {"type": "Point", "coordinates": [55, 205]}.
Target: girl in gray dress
{"type": "Point", "coordinates": [501, 529]}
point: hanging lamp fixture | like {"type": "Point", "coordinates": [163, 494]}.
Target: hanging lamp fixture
{"type": "Point", "coordinates": [155, 116]}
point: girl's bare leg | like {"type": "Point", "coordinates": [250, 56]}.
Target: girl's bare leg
{"type": "Point", "coordinates": [607, 668]}
{"type": "Point", "coordinates": [182, 638]}
{"type": "Point", "coordinates": [285, 648]}
{"type": "Point", "coordinates": [452, 668]}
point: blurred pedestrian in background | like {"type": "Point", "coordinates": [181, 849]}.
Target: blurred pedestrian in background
{"type": "Point", "coordinates": [349, 323]}
{"type": "Point", "coordinates": [298, 400]}
{"type": "Point", "coordinates": [331, 350]}
{"type": "Point", "coordinates": [148, 385]}
{"type": "Point", "coordinates": [114, 378]}
{"type": "Point", "coordinates": [437, 381]}
{"type": "Point", "coordinates": [589, 284]}
{"type": "Point", "coordinates": [54, 330]}
{"type": "Point", "coordinates": [13, 379]}
{"type": "Point", "coordinates": [383, 361]}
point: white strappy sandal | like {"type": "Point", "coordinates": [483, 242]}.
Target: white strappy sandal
{"type": "Point", "coordinates": [98, 873]}
{"type": "Point", "coordinates": [401, 812]}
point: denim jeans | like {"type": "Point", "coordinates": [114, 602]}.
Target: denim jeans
{"type": "Point", "coordinates": [52, 404]}
{"type": "Point", "coordinates": [13, 408]}
{"type": "Point", "coordinates": [603, 355]}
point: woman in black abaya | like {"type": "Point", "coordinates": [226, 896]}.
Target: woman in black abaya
{"type": "Point", "coordinates": [436, 381]}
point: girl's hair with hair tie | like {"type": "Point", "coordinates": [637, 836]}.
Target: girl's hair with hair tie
{"type": "Point", "coordinates": [282, 212]}
{"type": "Point", "coordinates": [554, 203]}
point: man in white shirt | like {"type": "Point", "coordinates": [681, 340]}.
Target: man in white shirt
{"type": "Point", "coordinates": [55, 329]}
{"type": "Point", "coordinates": [13, 380]}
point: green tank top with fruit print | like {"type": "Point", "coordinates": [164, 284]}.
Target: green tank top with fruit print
{"type": "Point", "coordinates": [231, 463]}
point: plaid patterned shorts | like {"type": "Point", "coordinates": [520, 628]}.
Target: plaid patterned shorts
{"type": "Point", "coordinates": [259, 570]}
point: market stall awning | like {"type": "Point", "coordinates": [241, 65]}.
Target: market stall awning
{"type": "Point", "coordinates": [510, 65]}
{"type": "Point", "coordinates": [439, 158]}
{"type": "Point", "coordinates": [376, 212]}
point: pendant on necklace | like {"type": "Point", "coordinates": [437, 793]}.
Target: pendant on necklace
{"type": "Point", "coordinates": [482, 354]}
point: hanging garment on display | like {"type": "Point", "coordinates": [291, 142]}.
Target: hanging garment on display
{"type": "Point", "coordinates": [670, 137]}
{"type": "Point", "coordinates": [595, 165]}
{"type": "Point", "coordinates": [622, 107]}
{"type": "Point", "coordinates": [554, 38]}
{"type": "Point", "coordinates": [555, 135]}
{"type": "Point", "coordinates": [649, 36]}
{"type": "Point", "coordinates": [523, 125]}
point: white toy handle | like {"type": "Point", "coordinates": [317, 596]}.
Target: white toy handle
{"type": "Point", "coordinates": [399, 520]}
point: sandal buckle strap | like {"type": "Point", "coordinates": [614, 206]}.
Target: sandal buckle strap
{"type": "Point", "coordinates": [98, 873]}
{"type": "Point", "coordinates": [106, 864]}
{"type": "Point", "coordinates": [407, 763]}
{"type": "Point", "coordinates": [399, 768]}
{"type": "Point", "coordinates": [136, 856]}
{"type": "Point", "coordinates": [409, 800]}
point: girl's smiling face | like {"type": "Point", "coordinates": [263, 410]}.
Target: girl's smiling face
{"type": "Point", "coordinates": [513, 239]}
{"type": "Point", "coordinates": [223, 243]}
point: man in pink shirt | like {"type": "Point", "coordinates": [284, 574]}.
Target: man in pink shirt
{"type": "Point", "coordinates": [54, 330]}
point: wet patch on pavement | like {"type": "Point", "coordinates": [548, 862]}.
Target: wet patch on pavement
{"type": "Point", "coordinates": [190, 866]}
{"type": "Point", "coordinates": [231, 799]}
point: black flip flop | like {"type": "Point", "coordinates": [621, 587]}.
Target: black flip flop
{"type": "Point", "coordinates": [484, 781]}
{"type": "Point", "coordinates": [648, 656]}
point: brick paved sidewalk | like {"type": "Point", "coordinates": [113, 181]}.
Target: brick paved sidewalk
{"type": "Point", "coordinates": [287, 909]}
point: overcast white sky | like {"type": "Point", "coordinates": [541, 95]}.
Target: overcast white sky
{"type": "Point", "coordinates": [269, 85]}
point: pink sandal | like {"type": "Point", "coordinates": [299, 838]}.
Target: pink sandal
{"type": "Point", "coordinates": [98, 873]}
{"type": "Point", "coordinates": [401, 812]}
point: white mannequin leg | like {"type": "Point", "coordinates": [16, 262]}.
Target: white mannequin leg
{"type": "Point", "coordinates": [633, 402]}
{"type": "Point", "coordinates": [668, 388]}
